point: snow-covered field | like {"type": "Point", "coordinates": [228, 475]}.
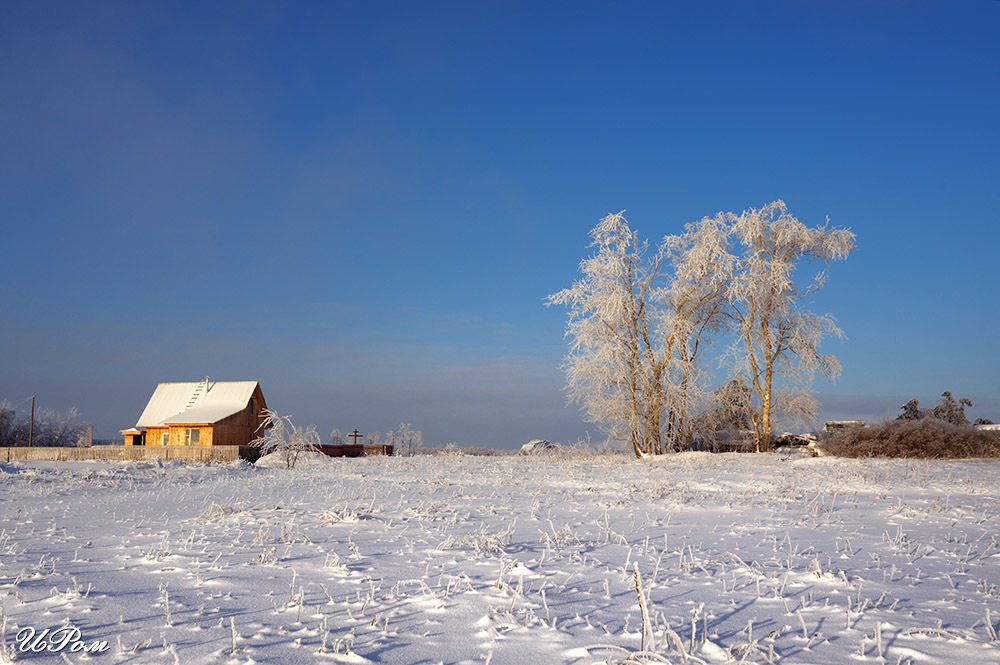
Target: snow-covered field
{"type": "Point", "coordinates": [742, 558]}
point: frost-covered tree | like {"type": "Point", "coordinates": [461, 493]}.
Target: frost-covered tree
{"type": "Point", "coordinates": [283, 436]}
{"type": "Point", "coordinates": [606, 372]}
{"type": "Point", "coordinates": [9, 434]}
{"type": "Point", "coordinates": [696, 268]}
{"type": "Point", "coordinates": [911, 411]}
{"type": "Point", "coordinates": [952, 411]}
{"type": "Point", "coordinates": [948, 409]}
{"type": "Point", "coordinates": [777, 338]}
{"type": "Point", "coordinates": [406, 440]}
{"type": "Point", "coordinates": [336, 437]}
{"type": "Point", "coordinates": [636, 320]}
{"type": "Point", "coordinates": [726, 421]}
{"type": "Point", "coordinates": [51, 428]}
{"type": "Point", "coordinates": [730, 409]}
{"type": "Point", "coordinates": [640, 318]}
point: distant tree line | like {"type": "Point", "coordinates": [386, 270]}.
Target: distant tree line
{"type": "Point", "coordinates": [948, 409]}
{"type": "Point", "coordinates": [51, 428]}
{"type": "Point", "coordinates": [405, 440]}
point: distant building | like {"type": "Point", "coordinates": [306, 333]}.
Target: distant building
{"type": "Point", "coordinates": [793, 439]}
{"type": "Point", "coordinates": [203, 413]}
{"type": "Point", "coordinates": [834, 425]}
{"type": "Point", "coordinates": [539, 447]}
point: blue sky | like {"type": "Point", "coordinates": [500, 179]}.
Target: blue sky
{"type": "Point", "coordinates": [363, 205]}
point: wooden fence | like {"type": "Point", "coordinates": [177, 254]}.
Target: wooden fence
{"type": "Point", "coordinates": [188, 453]}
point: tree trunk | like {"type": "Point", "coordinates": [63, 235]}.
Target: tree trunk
{"type": "Point", "coordinates": [764, 443]}
{"type": "Point", "coordinates": [636, 448]}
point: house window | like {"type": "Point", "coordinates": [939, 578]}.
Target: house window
{"type": "Point", "coordinates": [164, 439]}
{"type": "Point", "coordinates": [192, 436]}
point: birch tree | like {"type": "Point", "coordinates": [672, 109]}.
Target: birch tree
{"type": "Point", "coordinates": [607, 323]}
{"type": "Point", "coordinates": [636, 320]}
{"type": "Point", "coordinates": [777, 339]}
{"type": "Point", "coordinates": [697, 270]}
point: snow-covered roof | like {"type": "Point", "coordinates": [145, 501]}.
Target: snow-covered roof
{"type": "Point", "coordinates": [538, 446]}
{"type": "Point", "coordinates": [195, 402]}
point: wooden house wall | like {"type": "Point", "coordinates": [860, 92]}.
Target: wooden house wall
{"type": "Point", "coordinates": [177, 435]}
{"type": "Point", "coordinates": [204, 439]}
{"type": "Point", "coordinates": [240, 428]}
{"type": "Point", "coordinates": [153, 435]}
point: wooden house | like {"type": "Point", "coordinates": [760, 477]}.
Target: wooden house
{"type": "Point", "coordinates": [203, 413]}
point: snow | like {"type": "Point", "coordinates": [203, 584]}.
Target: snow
{"type": "Point", "coordinates": [523, 560]}
{"type": "Point", "coordinates": [305, 459]}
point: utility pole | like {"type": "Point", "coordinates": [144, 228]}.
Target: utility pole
{"type": "Point", "coordinates": [31, 423]}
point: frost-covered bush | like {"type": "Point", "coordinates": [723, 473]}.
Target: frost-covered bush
{"type": "Point", "coordinates": [483, 451]}
{"type": "Point", "coordinates": [924, 438]}
{"type": "Point", "coordinates": [281, 435]}
{"type": "Point", "coordinates": [449, 449]}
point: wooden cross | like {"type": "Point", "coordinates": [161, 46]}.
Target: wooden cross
{"type": "Point", "coordinates": [354, 435]}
